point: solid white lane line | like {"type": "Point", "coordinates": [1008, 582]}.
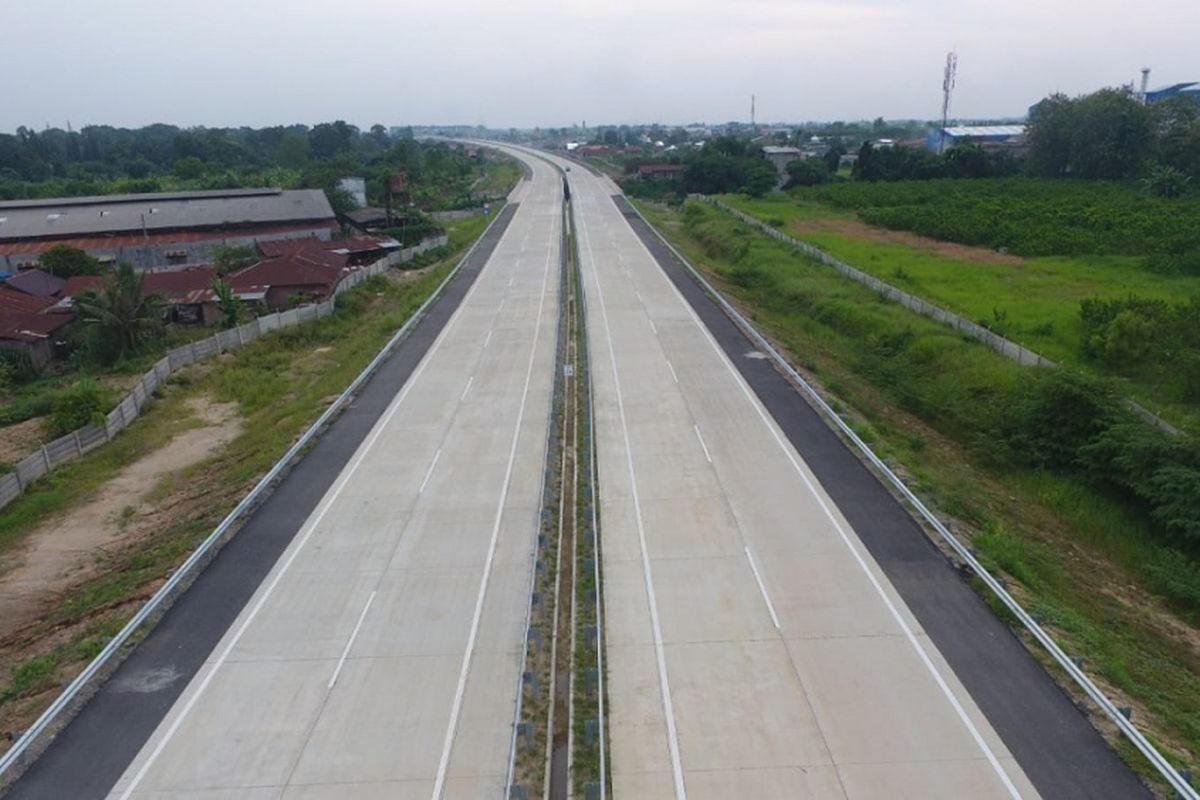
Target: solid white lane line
{"type": "Point", "coordinates": [647, 572]}
{"type": "Point", "coordinates": [470, 380]}
{"type": "Point", "coordinates": [487, 340]}
{"type": "Point", "coordinates": [510, 281]}
{"type": "Point", "coordinates": [762, 588]}
{"type": "Point", "coordinates": [456, 707]}
{"type": "Point", "coordinates": [653, 327]}
{"type": "Point", "coordinates": [501, 306]}
{"type": "Point", "coordinates": [638, 295]}
{"type": "Point", "coordinates": [843, 535]}
{"type": "Point", "coordinates": [674, 377]}
{"type": "Point", "coordinates": [350, 642]}
{"type": "Point", "coordinates": [703, 446]}
{"type": "Point", "coordinates": [429, 472]}
{"type": "Point", "coordinates": [305, 534]}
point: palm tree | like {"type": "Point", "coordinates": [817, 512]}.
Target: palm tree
{"type": "Point", "coordinates": [119, 314]}
{"type": "Point", "coordinates": [228, 302]}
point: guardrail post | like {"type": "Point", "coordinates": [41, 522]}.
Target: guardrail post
{"type": "Point", "coordinates": [78, 444]}
{"type": "Point", "coordinates": [46, 459]}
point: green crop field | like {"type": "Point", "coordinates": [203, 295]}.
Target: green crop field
{"type": "Point", "coordinates": [1027, 216]}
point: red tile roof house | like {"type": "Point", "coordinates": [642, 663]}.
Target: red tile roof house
{"type": "Point", "coordinates": [306, 271]}
{"type": "Point", "coordinates": [287, 280]}
{"type": "Point", "coordinates": [27, 325]}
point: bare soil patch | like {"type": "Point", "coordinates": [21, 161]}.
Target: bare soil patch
{"type": "Point", "coordinates": [64, 551]}
{"type": "Point", "coordinates": [861, 230]}
{"type": "Point", "coordinates": [22, 438]}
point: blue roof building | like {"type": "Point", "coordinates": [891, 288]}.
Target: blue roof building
{"type": "Point", "coordinates": [1190, 89]}
{"type": "Point", "coordinates": [997, 136]}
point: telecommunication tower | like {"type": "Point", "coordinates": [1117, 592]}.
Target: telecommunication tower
{"type": "Point", "coordinates": [948, 79]}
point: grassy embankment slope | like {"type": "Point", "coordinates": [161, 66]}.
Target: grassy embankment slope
{"type": "Point", "coordinates": [279, 384]}
{"type": "Point", "coordinates": [923, 395]}
{"type": "Point", "coordinates": [1099, 250]}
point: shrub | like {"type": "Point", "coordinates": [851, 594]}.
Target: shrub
{"type": "Point", "coordinates": [82, 404]}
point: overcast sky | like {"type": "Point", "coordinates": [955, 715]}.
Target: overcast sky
{"type": "Point", "coordinates": [523, 63]}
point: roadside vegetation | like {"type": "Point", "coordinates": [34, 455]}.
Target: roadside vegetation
{"type": "Point", "coordinates": [1092, 516]}
{"type": "Point", "coordinates": [276, 387]}
{"type": "Point", "coordinates": [1123, 313]}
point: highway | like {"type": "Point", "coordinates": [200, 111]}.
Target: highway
{"type": "Point", "coordinates": [754, 647]}
{"type": "Point", "coordinates": [381, 655]}
{"type": "Point", "coordinates": [774, 628]}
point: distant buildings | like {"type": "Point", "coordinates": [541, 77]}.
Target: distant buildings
{"type": "Point", "coordinates": [356, 189]}
{"type": "Point", "coordinates": [670, 172]}
{"type": "Point", "coordinates": [1009, 138]}
{"type": "Point", "coordinates": [780, 157]}
{"type": "Point", "coordinates": [161, 229]}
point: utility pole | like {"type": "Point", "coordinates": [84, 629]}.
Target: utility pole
{"type": "Point", "coordinates": [753, 127]}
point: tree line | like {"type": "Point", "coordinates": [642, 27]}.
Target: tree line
{"type": "Point", "coordinates": [101, 159]}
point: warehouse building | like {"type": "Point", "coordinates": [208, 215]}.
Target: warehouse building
{"type": "Point", "coordinates": [1189, 89]}
{"type": "Point", "coordinates": [989, 137]}
{"type": "Point", "coordinates": [161, 229]}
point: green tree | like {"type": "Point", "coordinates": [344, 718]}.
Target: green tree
{"type": "Point", "coordinates": [233, 257]}
{"type": "Point", "coordinates": [1177, 129]}
{"type": "Point", "coordinates": [293, 151]}
{"type": "Point", "coordinates": [64, 261]}
{"type": "Point", "coordinates": [229, 304]}
{"type": "Point", "coordinates": [1048, 135]}
{"type": "Point", "coordinates": [833, 157]}
{"type": "Point", "coordinates": [809, 172]}
{"type": "Point", "coordinates": [119, 316]}
{"type": "Point", "coordinates": [1112, 136]}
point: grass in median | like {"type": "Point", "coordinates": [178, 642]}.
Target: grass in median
{"type": "Point", "coordinates": [920, 392]}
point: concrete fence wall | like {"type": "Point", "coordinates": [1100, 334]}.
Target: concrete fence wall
{"type": "Point", "coordinates": [1006, 347]}
{"type": "Point", "coordinates": [81, 441]}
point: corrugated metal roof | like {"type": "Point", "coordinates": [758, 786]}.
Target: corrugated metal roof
{"type": "Point", "coordinates": [36, 283]}
{"type": "Point", "coordinates": [12, 300]}
{"type": "Point", "coordinates": [137, 239]}
{"type": "Point", "coordinates": [772, 150]}
{"type": "Point", "coordinates": [92, 216]}
{"type": "Point", "coordinates": [985, 130]}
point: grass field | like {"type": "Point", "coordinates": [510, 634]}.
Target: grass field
{"type": "Point", "coordinates": [1034, 301]}
{"type": "Point", "coordinates": [919, 394]}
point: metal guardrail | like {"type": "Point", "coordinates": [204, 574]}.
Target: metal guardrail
{"type": "Point", "coordinates": [1160, 763]}
{"type": "Point", "coordinates": [197, 559]}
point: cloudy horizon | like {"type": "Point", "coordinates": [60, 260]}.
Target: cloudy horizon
{"type": "Point", "coordinates": [529, 63]}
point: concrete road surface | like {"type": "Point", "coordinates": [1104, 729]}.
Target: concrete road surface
{"type": "Point", "coordinates": [755, 649]}
{"type": "Point", "coordinates": [380, 657]}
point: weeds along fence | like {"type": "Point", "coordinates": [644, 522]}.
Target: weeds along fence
{"type": "Point", "coordinates": [75, 444]}
{"type": "Point", "coordinates": [1006, 347]}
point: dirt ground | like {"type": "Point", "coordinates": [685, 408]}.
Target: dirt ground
{"type": "Point", "coordinates": [21, 439]}
{"type": "Point", "coordinates": [63, 551]}
{"type": "Point", "coordinates": [861, 230]}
